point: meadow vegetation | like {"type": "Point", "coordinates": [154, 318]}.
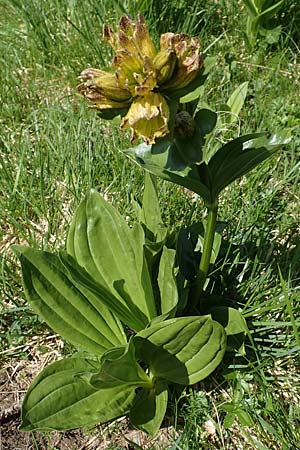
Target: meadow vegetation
{"type": "Point", "coordinates": [53, 150]}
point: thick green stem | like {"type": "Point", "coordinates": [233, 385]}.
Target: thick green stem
{"type": "Point", "coordinates": [206, 254]}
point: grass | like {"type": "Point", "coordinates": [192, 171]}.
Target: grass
{"type": "Point", "coordinates": [53, 149]}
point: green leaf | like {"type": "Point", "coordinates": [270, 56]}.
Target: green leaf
{"type": "Point", "coordinates": [119, 366]}
{"type": "Point", "coordinates": [159, 160]}
{"type": "Point", "coordinates": [198, 92]}
{"type": "Point", "coordinates": [228, 420]}
{"type": "Point", "coordinates": [244, 417]}
{"type": "Point", "coordinates": [167, 283]}
{"type": "Point", "coordinates": [182, 350]}
{"type": "Point", "coordinates": [79, 317]}
{"type": "Point", "coordinates": [234, 324]}
{"type": "Point", "coordinates": [272, 36]}
{"type": "Point", "coordinates": [101, 241]}
{"type": "Point", "coordinates": [206, 120]}
{"type": "Point", "coordinates": [240, 156]}
{"type": "Point", "coordinates": [124, 309]}
{"type": "Point", "coordinates": [269, 12]}
{"type": "Point", "coordinates": [60, 398]}
{"type": "Point", "coordinates": [149, 408]}
{"type": "Point", "coordinates": [236, 101]}
{"type": "Point", "coordinates": [150, 213]}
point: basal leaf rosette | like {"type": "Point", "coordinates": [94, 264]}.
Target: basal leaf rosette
{"type": "Point", "coordinates": [142, 80]}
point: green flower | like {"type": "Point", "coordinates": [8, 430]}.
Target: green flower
{"type": "Point", "coordinates": [142, 79]}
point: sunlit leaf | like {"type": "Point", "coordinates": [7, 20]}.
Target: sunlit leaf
{"type": "Point", "coordinates": [239, 156]}
{"type": "Point", "coordinates": [182, 350]}
{"type": "Point", "coordinates": [60, 398]}
{"type": "Point", "coordinates": [125, 310]}
{"type": "Point", "coordinates": [167, 283]}
{"type": "Point", "coordinates": [150, 214]}
{"type": "Point", "coordinates": [79, 317]}
{"type": "Point", "coordinates": [112, 253]}
{"type": "Point", "coordinates": [160, 161]}
{"type": "Point", "coordinates": [237, 100]}
{"type": "Point", "coordinates": [199, 91]}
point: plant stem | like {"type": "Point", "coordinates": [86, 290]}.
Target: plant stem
{"type": "Point", "coordinates": [209, 236]}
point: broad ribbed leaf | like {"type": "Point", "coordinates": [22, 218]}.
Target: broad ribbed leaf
{"type": "Point", "coordinates": [119, 366]}
{"type": "Point", "coordinates": [183, 350]}
{"type": "Point", "coordinates": [149, 408]}
{"type": "Point", "coordinates": [234, 324]}
{"type": "Point", "coordinates": [167, 283]}
{"type": "Point", "coordinates": [159, 160]}
{"type": "Point", "coordinates": [79, 317]}
{"type": "Point", "coordinates": [60, 398]}
{"type": "Point", "coordinates": [126, 311]}
{"type": "Point", "coordinates": [240, 156]}
{"type": "Point", "coordinates": [101, 241]}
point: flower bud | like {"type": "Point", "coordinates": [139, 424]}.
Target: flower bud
{"type": "Point", "coordinates": [184, 125]}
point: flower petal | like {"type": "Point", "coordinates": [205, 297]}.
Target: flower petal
{"type": "Point", "coordinates": [143, 40]}
{"type": "Point", "coordinates": [164, 64]}
{"type": "Point", "coordinates": [148, 117]}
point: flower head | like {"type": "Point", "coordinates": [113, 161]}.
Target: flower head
{"type": "Point", "coordinates": [141, 78]}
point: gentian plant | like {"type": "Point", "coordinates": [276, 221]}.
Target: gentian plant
{"type": "Point", "coordinates": [130, 298]}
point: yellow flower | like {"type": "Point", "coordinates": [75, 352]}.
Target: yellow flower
{"type": "Point", "coordinates": [148, 117]}
{"type": "Point", "coordinates": [142, 79]}
{"type": "Point", "coordinates": [189, 60]}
